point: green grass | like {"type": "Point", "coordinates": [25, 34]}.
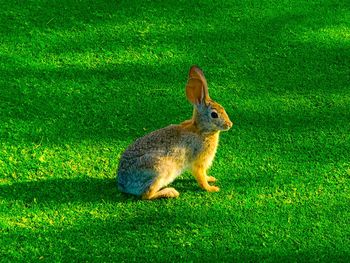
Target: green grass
{"type": "Point", "coordinates": [80, 80]}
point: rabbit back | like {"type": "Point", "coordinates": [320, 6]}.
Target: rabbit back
{"type": "Point", "coordinates": [163, 154]}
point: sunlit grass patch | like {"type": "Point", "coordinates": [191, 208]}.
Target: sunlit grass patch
{"type": "Point", "coordinates": [334, 35]}
{"type": "Point", "coordinates": [79, 82]}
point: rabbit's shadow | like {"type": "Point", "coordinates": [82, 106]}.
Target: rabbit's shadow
{"type": "Point", "coordinates": [62, 190]}
{"type": "Point", "coordinates": [68, 190]}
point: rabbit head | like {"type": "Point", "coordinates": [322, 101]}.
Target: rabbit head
{"type": "Point", "coordinates": [209, 116]}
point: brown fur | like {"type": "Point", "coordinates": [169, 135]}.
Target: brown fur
{"type": "Point", "coordinates": [155, 160]}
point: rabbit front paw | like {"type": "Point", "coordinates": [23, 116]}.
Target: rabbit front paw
{"type": "Point", "coordinates": [213, 188]}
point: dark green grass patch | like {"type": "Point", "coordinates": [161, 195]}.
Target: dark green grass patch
{"type": "Point", "coordinates": [80, 80]}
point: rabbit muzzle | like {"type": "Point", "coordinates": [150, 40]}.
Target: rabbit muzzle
{"type": "Point", "coordinates": [228, 125]}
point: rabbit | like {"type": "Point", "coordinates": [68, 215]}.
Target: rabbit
{"type": "Point", "coordinates": [152, 162]}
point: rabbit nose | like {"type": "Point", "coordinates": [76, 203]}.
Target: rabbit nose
{"type": "Point", "coordinates": [228, 125]}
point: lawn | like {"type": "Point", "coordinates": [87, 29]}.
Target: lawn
{"type": "Point", "coordinates": [81, 80]}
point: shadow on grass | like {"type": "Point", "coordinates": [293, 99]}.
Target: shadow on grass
{"type": "Point", "coordinates": [59, 191]}
{"type": "Point", "coordinates": [86, 189]}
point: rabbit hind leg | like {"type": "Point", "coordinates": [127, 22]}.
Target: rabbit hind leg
{"type": "Point", "coordinates": [167, 169]}
{"type": "Point", "coordinates": [156, 190]}
{"type": "Point", "coordinates": [168, 192]}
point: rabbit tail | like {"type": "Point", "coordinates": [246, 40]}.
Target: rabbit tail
{"type": "Point", "coordinates": [135, 182]}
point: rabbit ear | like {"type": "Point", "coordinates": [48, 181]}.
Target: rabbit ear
{"type": "Point", "coordinates": [196, 88]}
{"type": "Point", "coordinates": [197, 73]}
{"type": "Point", "coordinates": [194, 91]}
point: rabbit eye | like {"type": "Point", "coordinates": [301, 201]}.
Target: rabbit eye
{"type": "Point", "coordinates": [214, 115]}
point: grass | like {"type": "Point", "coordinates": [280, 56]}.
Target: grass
{"type": "Point", "coordinates": [79, 81]}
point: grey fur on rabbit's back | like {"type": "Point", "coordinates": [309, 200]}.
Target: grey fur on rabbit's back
{"type": "Point", "coordinates": [136, 170]}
